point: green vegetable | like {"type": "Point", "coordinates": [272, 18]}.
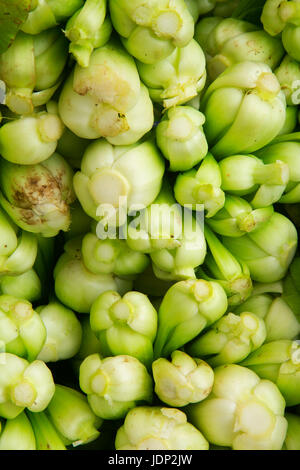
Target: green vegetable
{"type": "Point", "coordinates": [70, 271]}
{"type": "Point", "coordinates": [18, 250]}
{"type": "Point", "coordinates": [30, 139]}
{"type": "Point", "coordinates": [229, 271]}
{"type": "Point", "coordinates": [111, 78]}
{"type": "Point", "coordinates": [279, 361]}
{"type": "Point", "coordinates": [114, 385]}
{"type": "Point", "coordinates": [22, 331]}
{"type": "Point", "coordinates": [116, 180]}
{"type": "Point", "coordinates": [112, 256]}
{"type": "Point", "coordinates": [282, 322]}
{"type": "Point", "coordinates": [177, 78]}
{"type": "Point", "coordinates": [158, 226]}
{"type": "Point", "coordinates": [45, 14]}
{"type": "Point", "coordinates": [230, 339]}
{"type": "Point", "coordinates": [27, 286]}
{"type": "Point", "coordinates": [32, 69]}
{"type": "Point", "coordinates": [238, 217]}
{"type": "Point", "coordinates": [286, 148]}
{"type": "Point", "coordinates": [149, 220]}
{"type": "Point", "coordinates": [231, 41]}
{"type": "Point", "coordinates": [281, 16]}
{"type": "Point", "coordinates": [23, 385]}
{"type": "Point", "coordinates": [171, 235]}
{"type": "Point", "coordinates": [125, 325]}
{"type": "Point", "coordinates": [267, 262]}
{"type": "Point", "coordinates": [180, 262]}
{"type": "Point", "coordinates": [89, 344]}
{"type": "Point", "coordinates": [18, 434]}
{"type": "Point", "coordinates": [204, 29]}
{"type": "Point", "coordinates": [87, 30]}
{"type": "Point", "coordinates": [246, 175]}
{"type": "Point", "coordinates": [72, 147]}
{"type": "Point", "coordinates": [72, 416]}
{"type": "Point", "coordinates": [80, 222]}
{"type": "Point", "coordinates": [201, 188]}
{"type": "Point", "coordinates": [245, 109]}
{"type": "Point", "coordinates": [88, 118]}
{"type": "Point", "coordinates": [13, 13]}
{"type": "Point", "coordinates": [291, 286]}
{"type": "Point", "coordinates": [290, 40]}
{"type": "Point", "coordinates": [182, 380]}
{"type": "Point", "coordinates": [151, 32]}
{"type": "Point", "coordinates": [37, 197]}
{"type": "Point", "coordinates": [219, 7]}
{"type": "Point", "coordinates": [292, 440]}
{"type": "Point", "coordinates": [288, 74]}
{"type": "Point", "coordinates": [291, 120]}
{"type": "Point", "coordinates": [46, 436]}
{"type": "Point", "coordinates": [249, 9]}
{"type": "Point", "coordinates": [180, 137]}
{"type": "Point", "coordinates": [158, 428]}
{"type": "Point", "coordinates": [107, 99]}
{"type": "Point", "coordinates": [274, 15]}
{"type": "Point", "coordinates": [242, 412]}
{"type": "Point", "coordinates": [186, 309]}
{"type": "Point", "coordinates": [63, 332]}
{"type": "Point", "coordinates": [223, 8]}
{"type": "Point", "coordinates": [199, 7]}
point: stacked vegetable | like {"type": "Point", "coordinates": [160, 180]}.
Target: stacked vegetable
{"type": "Point", "coordinates": [149, 215]}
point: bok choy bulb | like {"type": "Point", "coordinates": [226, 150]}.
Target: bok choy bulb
{"type": "Point", "coordinates": [267, 262]}
{"type": "Point", "coordinates": [24, 385]}
{"type": "Point", "coordinates": [45, 14]}
{"type": "Point", "coordinates": [32, 69]}
{"type": "Point", "coordinates": [230, 339]}
{"type": "Point", "coordinates": [243, 412]}
{"type": "Point", "coordinates": [32, 138]}
{"type": "Point", "coordinates": [176, 79]}
{"type": "Point", "coordinates": [232, 40]}
{"type": "Point", "coordinates": [201, 188]}
{"type": "Point", "coordinates": [112, 256]}
{"type": "Point", "coordinates": [107, 99]}
{"type": "Point", "coordinates": [22, 330]}
{"type": "Point", "coordinates": [245, 109]}
{"type": "Point", "coordinates": [247, 175]}
{"type": "Point", "coordinates": [238, 217]}
{"type": "Point", "coordinates": [281, 319]}
{"type": "Point", "coordinates": [182, 380]}
{"type": "Point", "coordinates": [63, 332]}
{"type": "Point", "coordinates": [151, 32]}
{"type": "Point", "coordinates": [285, 148]}
{"type": "Point", "coordinates": [70, 270]}
{"type": "Point", "coordinates": [125, 325]}
{"type": "Point", "coordinates": [115, 180]}
{"type": "Point", "coordinates": [158, 428]}
{"type": "Point", "coordinates": [17, 434]}
{"type": "Point", "coordinates": [114, 385]}
{"type": "Point", "coordinates": [19, 248]}
{"type": "Point", "coordinates": [186, 309]}
{"type": "Point", "coordinates": [281, 16]}
{"type": "Point", "coordinates": [279, 361]}
{"type": "Point", "coordinates": [180, 137]}
{"type": "Point", "coordinates": [37, 197]}
{"type": "Point", "coordinates": [88, 29]}
{"type": "Point", "coordinates": [72, 417]}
